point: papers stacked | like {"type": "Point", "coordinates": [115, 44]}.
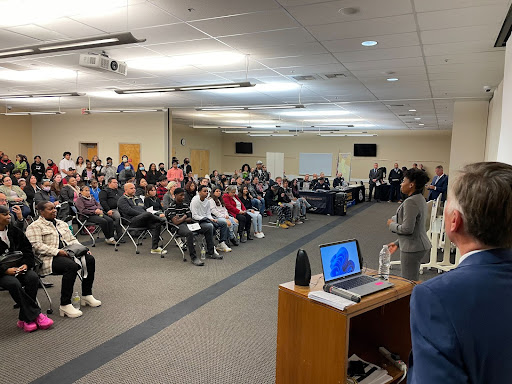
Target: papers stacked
{"type": "Point", "coordinates": [373, 373]}
{"type": "Point", "coordinates": [330, 299]}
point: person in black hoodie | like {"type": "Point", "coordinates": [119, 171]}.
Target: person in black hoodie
{"type": "Point", "coordinates": [20, 280]}
{"type": "Point", "coordinates": [274, 202]}
{"type": "Point", "coordinates": [37, 168]}
{"type": "Point", "coordinates": [108, 200]}
{"type": "Point", "coordinates": [153, 175]}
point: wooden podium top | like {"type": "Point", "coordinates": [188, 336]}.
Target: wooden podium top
{"type": "Point", "coordinates": [401, 288]}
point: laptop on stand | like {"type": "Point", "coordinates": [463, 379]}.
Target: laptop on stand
{"type": "Point", "coordinates": [341, 265]}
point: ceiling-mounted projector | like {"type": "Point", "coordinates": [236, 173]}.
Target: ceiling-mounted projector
{"type": "Point", "coordinates": [103, 63]}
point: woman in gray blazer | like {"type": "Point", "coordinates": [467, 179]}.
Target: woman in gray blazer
{"type": "Point", "coordinates": [409, 224]}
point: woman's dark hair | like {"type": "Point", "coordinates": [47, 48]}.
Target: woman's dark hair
{"type": "Point", "coordinates": [78, 158]}
{"type": "Point", "coordinates": [4, 209]}
{"type": "Point", "coordinates": [150, 165]}
{"type": "Point", "coordinates": [189, 185]}
{"type": "Point", "coordinates": [37, 157]}
{"type": "Point", "coordinates": [149, 187]}
{"type": "Point", "coordinates": [248, 168]}
{"type": "Point", "coordinates": [418, 177]}
{"type": "Point", "coordinates": [218, 202]}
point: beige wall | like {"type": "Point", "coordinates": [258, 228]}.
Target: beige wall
{"type": "Point", "coordinates": [207, 139]}
{"type": "Point", "coordinates": [468, 133]}
{"type": "Point", "coordinates": [16, 136]}
{"type": "Point", "coordinates": [494, 125]}
{"type": "Point", "coordinates": [52, 135]}
{"type": "Point", "coordinates": [405, 147]}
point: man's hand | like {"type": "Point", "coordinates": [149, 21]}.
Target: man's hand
{"type": "Point", "coordinates": [392, 248]}
{"type": "Point", "coordinates": [389, 222]}
{"type": "Point", "coordinates": [11, 271]}
{"type": "Point", "coordinates": [236, 221]}
{"type": "Point", "coordinates": [110, 213]}
{"type": "Point", "coordinates": [162, 215]}
{"type": "Point", "coordinates": [251, 210]}
{"type": "Point", "coordinates": [215, 220]}
{"type": "Point", "coordinates": [98, 211]}
{"type": "Point", "coordinates": [374, 180]}
{"type": "Point", "coordinates": [62, 253]}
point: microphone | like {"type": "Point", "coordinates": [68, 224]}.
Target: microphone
{"type": "Point", "coordinates": [343, 293]}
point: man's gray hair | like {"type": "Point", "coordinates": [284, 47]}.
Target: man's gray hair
{"type": "Point", "coordinates": [482, 193]}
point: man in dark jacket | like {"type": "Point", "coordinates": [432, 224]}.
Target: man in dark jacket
{"type": "Point", "coordinates": [6, 164]}
{"type": "Point", "coordinates": [132, 208]}
{"type": "Point", "coordinates": [375, 180]}
{"type": "Point", "coordinates": [395, 179]}
{"type": "Point", "coordinates": [108, 200]}
{"type": "Point", "coordinates": [273, 202]}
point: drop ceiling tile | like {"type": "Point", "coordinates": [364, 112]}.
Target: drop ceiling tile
{"type": "Point", "coordinates": [70, 28]}
{"type": "Point", "coordinates": [10, 39]}
{"type": "Point", "coordinates": [438, 5]}
{"type": "Point", "coordinates": [461, 34]}
{"type": "Point", "coordinates": [256, 22]}
{"type": "Point", "coordinates": [168, 34]}
{"type": "Point", "coordinates": [384, 41]}
{"type": "Point", "coordinates": [189, 10]}
{"type": "Point", "coordinates": [472, 69]}
{"type": "Point", "coordinates": [309, 70]}
{"type": "Point", "coordinates": [328, 12]}
{"type": "Point", "coordinates": [37, 32]}
{"type": "Point", "coordinates": [379, 54]}
{"type": "Point", "coordinates": [293, 3]}
{"type": "Point", "coordinates": [285, 50]}
{"type": "Point", "coordinates": [386, 65]}
{"type": "Point", "coordinates": [462, 59]}
{"type": "Point", "coordinates": [268, 39]}
{"type": "Point", "coordinates": [463, 17]}
{"type": "Point", "coordinates": [299, 61]}
{"type": "Point", "coordinates": [188, 47]}
{"type": "Point", "coordinates": [460, 48]}
{"type": "Point", "coordinates": [131, 52]}
{"type": "Point", "coordinates": [373, 27]}
{"type": "Point", "coordinates": [406, 71]}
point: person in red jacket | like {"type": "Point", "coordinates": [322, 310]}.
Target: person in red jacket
{"type": "Point", "coordinates": [236, 209]}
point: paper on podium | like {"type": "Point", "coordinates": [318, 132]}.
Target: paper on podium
{"type": "Point", "coordinates": [330, 299]}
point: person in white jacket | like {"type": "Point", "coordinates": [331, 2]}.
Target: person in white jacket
{"type": "Point", "coordinates": [220, 212]}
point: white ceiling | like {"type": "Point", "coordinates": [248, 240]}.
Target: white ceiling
{"type": "Point", "coordinates": [439, 50]}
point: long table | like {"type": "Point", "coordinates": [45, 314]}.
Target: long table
{"type": "Point", "coordinates": [323, 201]}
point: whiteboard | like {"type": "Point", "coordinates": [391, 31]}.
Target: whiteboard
{"type": "Point", "coordinates": [315, 163]}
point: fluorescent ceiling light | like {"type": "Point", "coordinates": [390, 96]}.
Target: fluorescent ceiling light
{"type": "Point", "coordinates": [417, 118]}
{"type": "Point", "coordinates": [412, 110]}
{"type": "Point", "coordinates": [33, 113]}
{"type": "Point", "coordinates": [93, 111]}
{"type": "Point", "coordinates": [369, 43]}
{"type": "Point", "coordinates": [272, 134]}
{"type": "Point", "coordinates": [391, 79]}
{"type": "Point", "coordinates": [56, 94]}
{"type": "Point", "coordinates": [201, 60]}
{"type": "Point", "coordinates": [184, 88]}
{"type": "Point", "coordinates": [70, 45]}
{"type": "Point", "coordinates": [236, 131]}
{"type": "Point", "coordinates": [346, 135]}
{"type": "Point", "coordinates": [421, 124]}
{"type": "Point", "coordinates": [317, 113]}
{"type": "Point", "coordinates": [219, 126]}
{"type": "Point", "coordinates": [41, 74]}
{"type": "Point", "coordinates": [250, 107]}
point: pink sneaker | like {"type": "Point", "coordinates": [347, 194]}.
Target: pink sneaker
{"type": "Point", "coordinates": [27, 327]}
{"type": "Point", "coordinates": [43, 321]}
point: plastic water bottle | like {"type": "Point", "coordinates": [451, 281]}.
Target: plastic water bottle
{"type": "Point", "coordinates": [384, 262]}
{"type": "Point", "coordinates": [203, 253]}
{"type": "Point", "coordinates": [75, 300]}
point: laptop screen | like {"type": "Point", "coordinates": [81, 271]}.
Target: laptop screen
{"type": "Point", "coordinates": [340, 260]}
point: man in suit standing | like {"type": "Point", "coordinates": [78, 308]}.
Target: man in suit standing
{"type": "Point", "coordinates": [375, 182]}
{"type": "Point", "coordinates": [460, 321]}
{"type": "Point", "coordinates": [439, 185]}
{"type": "Point", "coordinates": [395, 178]}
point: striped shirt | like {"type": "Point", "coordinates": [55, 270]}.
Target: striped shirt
{"type": "Point", "coordinates": [178, 210]}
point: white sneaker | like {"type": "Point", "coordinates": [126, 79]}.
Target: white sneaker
{"type": "Point", "coordinates": [69, 311]}
{"type": "Point", "coordinates": [159, 251]}
{"type": "Point", "coordinates": [262, 234]}
{"type": "Point", "coordinates": [90, 301]}
{"type": "Point", "coordinates": [223, 247]}
{"type": "Point", "coordinates": [110, 241]}
{"type": "Point", "coordinates": [215, 252]}
{"type": "Point", "coordinates": [259, 235]}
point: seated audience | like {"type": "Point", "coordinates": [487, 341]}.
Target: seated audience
{"type": "Point", "coordinates": [295, 196]}
{"type": "Point", "coordinates": [48, 174]}
{"type": "Point", "coordinates": [87, 205]}
{"type": "Point", "coordinates": [97, 166]}
{"type": "Point", "coordinates": [238, 211]}
{"type": "Point", "coordinates": [126, 173]}
{"type": "Point", "coordinates": [141, 187]}
{"type": "Point", "coordinates": [109, 170]}
{"type": "Point", "coordinates": [141, 172]}
{"type": "Point", "coordinates": [169, 196]}
{"type": "Point", "coordinates": [132, 208]}
{"type": "Point", "coordinates": [95, 190]}
{"type": "Point", "coordinates": [175, 174]}
{"type": "Point", "coordinates": [220, 212]}
{"type": "Point", "coordinates": [256, 193]}
{"type": "Point", "coordinates": [57, 184]}
{"type": "Point", "coordinates": [122, 165]}
{"type": "Point", "coordinates": [338, 181]}
{"type": "Point", "coordinates": [30, 190]}
{"type": "Point", "coordinates": [70, 192]}
{"type": "Point", "coordinates": [180, 215]}
{"type": "Point", "coordinates": [88, 173]}
{"type": "Point", "coordinates": [15, 177]}
{"type": "Point", "coordinates": [190, 191]}
{"type": "Point", "coordinates": [291, 201]}
{"type": "Point", "coordinates": [260, 172]}
{"type": "Point", "coordinates": [152, 176]}
{"type": "Point", "coordinates": [321, 185]}
{"type": "Point", "coordinates": [246, 171]}
{"type": "Point", "coordinates": [101, 181]}
{"type": "Point", "coordinates": [46, 194]}
{"type": "Point", "coordinates": [49, 236]}
{"type": "Point", "coordinates": [20, 280]}
{"type": "Point", "coordinates": [15, 196]}
{"type": "Point", "coordinates": [252, 211]}
{"type": "Point", "coordinates": [16, 216]}
{"type": "Point", "coordinates": [109, 197]}
{"type": "Point", "coordinates": [274, 203]}
{"type": "Point", "coordinates": [37, 168]}
{"type": "Point", "coordinates": [152, 201]}
{"type": "Point", "coordinates": [161, 188]}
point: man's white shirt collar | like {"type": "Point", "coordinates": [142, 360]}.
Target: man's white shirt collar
{"type": "Point", "coordinates": [466, 255]}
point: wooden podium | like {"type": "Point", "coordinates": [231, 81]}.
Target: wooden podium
{"type": "Point", "coordinates": [314, 340]}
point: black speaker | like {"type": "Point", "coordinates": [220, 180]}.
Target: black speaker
{"type": "Point", "coordinates": [302, 269]}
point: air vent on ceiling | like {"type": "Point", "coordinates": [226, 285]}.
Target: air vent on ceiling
{"type": "Point", "coordinates": [335, 75]}
{"type": "Point", "coordinates": [506, 30]}
{"type": "Point", "coordinates": [305, 78]}
{"type": "Point", "coordinates": [396, 105]}
{"type": "Point", "coordinates": [406, 115]}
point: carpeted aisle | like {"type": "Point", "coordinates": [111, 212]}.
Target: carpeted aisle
{"type": "Point", "coordinates": [165, 321]}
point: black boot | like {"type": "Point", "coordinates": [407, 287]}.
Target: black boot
{"type": "Point", "coordinates": [249, 236]}
{"type": "Point", "coordinates": [235, 242]}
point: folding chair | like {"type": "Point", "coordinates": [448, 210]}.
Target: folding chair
{"type": "Point", "coordinates": [139, 234]}
{"type": "Point", "coordinates": [180, 241]}
{"type": "Point", "coordinates": [83, 224]}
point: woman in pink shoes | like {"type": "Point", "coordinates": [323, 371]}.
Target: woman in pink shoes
{"type": "Point", "coordinates": [20, 280]}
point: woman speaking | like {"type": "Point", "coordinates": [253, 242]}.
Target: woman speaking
{"type": "Point", "coordinates": [409, 224]}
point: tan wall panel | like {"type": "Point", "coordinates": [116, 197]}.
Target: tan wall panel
{"type": "Point", "coordinates": [16, 136]}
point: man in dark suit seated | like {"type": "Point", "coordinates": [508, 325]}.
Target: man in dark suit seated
{"type": "Point", "coordinates": [460, 320]}
{"type": "Point", "coordinates": [321, 185]}
{"type": "Point", "coordinates": [439, 185]}
{"type": "Point", "coordinates": [132, 208]}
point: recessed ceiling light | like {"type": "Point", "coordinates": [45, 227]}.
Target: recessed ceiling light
{"type": "Point", "coordinates": [369, 43]}
{"type": "Point", "coordinates": [417, 118]}
{"type": "Point", "coordinates": [392, 79]}
{"type": "Point", "coordinates": [412, 110]}
{"type": "Point", "coordinates": [421, 124]}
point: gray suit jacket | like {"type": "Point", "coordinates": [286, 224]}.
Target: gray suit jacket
{"type": "Point", "coordinates": [409, 224]}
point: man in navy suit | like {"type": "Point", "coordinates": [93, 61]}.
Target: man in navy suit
{"type": "Point", "coordinates": [439, 185]}
{"type": "Point", "coordinates": [460, 321]}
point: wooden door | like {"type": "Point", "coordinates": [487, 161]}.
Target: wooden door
{"type": "Point", "coordinates": [92, 150]}
{"type": "Point", "coordinates": [200, 162]}
{"type": "Point", "coordinates": [132, 151]}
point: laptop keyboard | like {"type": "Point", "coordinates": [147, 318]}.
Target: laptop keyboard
{"type": "Point", "coordinates": [356, 282]}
